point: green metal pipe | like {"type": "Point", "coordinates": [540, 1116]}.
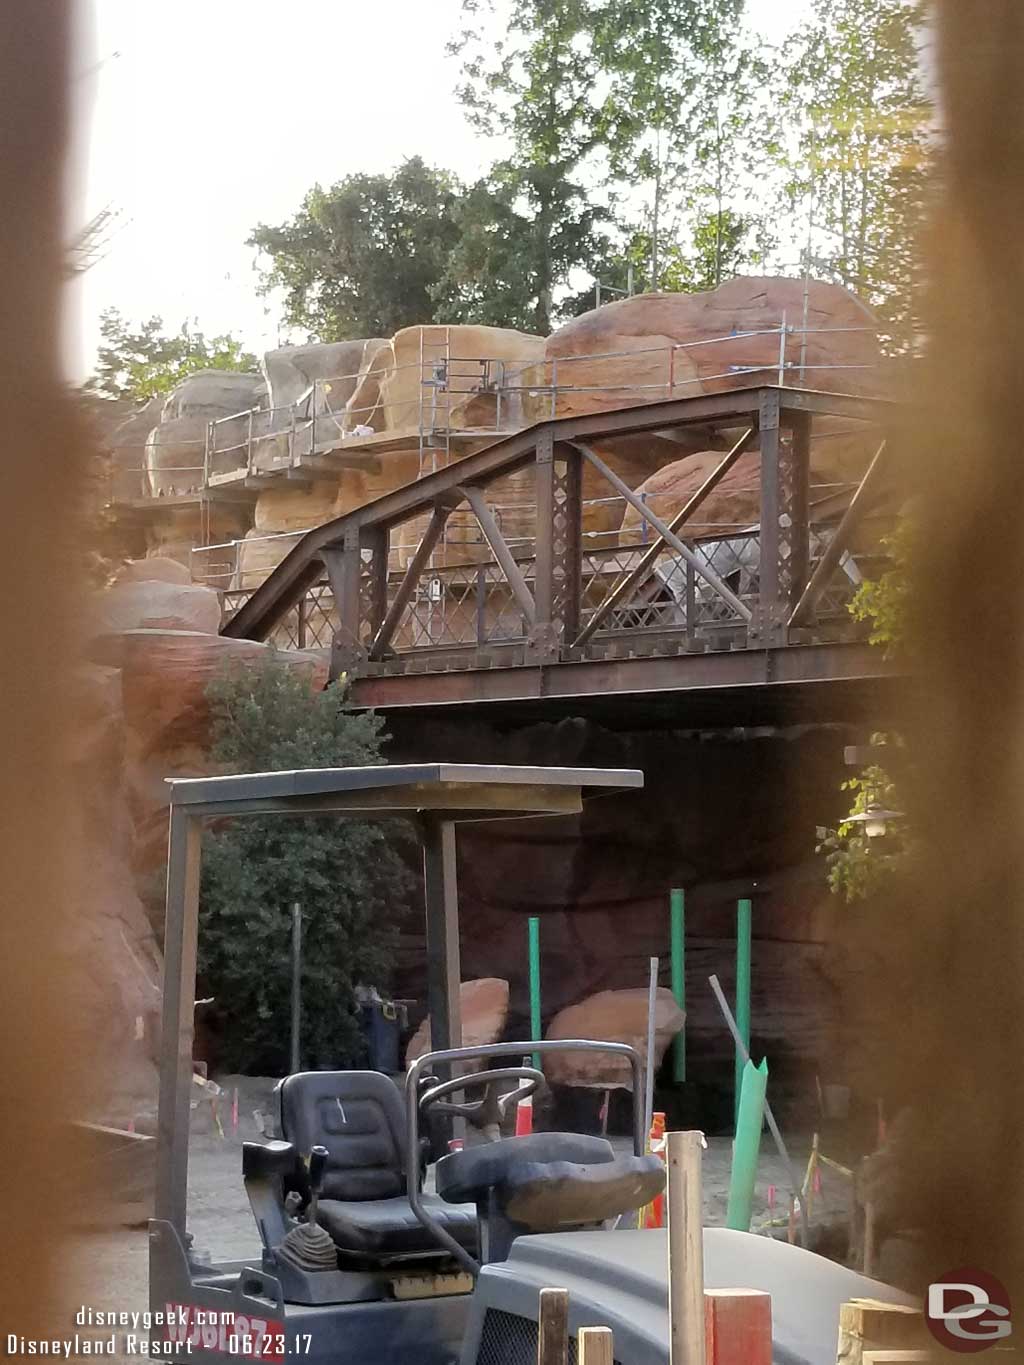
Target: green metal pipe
{"type": "Point", "coordinates": [677, 912]}
{"type": "Point", "coordinates": [535, 1019]}
{"type": "Point", "coordinates": [743, 935]}
{"type": "Point", "coordinates": [747, 1147]}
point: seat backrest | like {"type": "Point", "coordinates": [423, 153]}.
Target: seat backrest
{"type": "Point", "coordinates": [359, 1116]}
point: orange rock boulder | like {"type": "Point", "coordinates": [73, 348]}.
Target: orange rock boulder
{"type": "Point", "coordinates": [733, 504]}
{"type": "Point", "coordinates": [156, 604]}
{"type": "Point", "coordinates": [613, 1017]}
{"type": "Point", "coordinates": [484, 1005]}
{"type": "Point", "coordinates": [726, 338]}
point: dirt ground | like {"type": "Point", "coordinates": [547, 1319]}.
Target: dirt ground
{"type": "Point", "coordinates": [108, 1269]}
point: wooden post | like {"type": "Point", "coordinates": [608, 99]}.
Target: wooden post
{"type": "Point", "coordinates": [553, 1327]}
{"type": "Point", "coordinates": [867, 1326]}
{"type": "Point", "coordinates": [595, 1346]}
{"type": "Point", "coordinates": [685, 1249]}
{"type": "Point", "coordinates": [738, 1327]}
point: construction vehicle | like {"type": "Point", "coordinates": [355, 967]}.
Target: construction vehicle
{"type": "Point", "coordinates": [359, 1254]}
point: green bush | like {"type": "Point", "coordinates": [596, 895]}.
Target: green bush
{"type": "Point", "coordinates": [347, 875]}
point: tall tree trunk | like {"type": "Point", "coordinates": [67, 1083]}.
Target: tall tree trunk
{"type": "Point", "coordinates": [655, 269]}
{"type": "Point", "coordinates": [718, 198]}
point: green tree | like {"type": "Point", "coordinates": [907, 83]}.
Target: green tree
{"type": "Point", "coordinates": [366, 256]}
{"type": "Point", "coordinates": [534, 87]}
{"type": "Point", "coordinates": [860, 156]}
{"type": "Point", "coordinates": [859, 865]}
{"type": "Point", "coordinates": [346, 874]}
{"type": "Point", "coordinates": [139, 364]}
{"type": "Point", "coordinates": [719, 247]}
{"type": "Point", "coordinates": [685, 112]}
{"type": "Point", "coordinates": [495, 270]}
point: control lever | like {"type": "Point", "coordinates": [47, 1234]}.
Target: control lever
{"type": "Point", "coordinates": [317, 1169]}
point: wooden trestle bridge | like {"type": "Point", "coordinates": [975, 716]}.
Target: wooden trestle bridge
{"type": "Point", "coordinates": [425, 598]}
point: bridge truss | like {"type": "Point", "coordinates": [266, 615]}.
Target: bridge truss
{"type": "Point", "coordinates": [417, 615]}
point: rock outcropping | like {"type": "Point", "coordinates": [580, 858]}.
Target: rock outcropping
{"type": "Point", "coordinates": [146, 719]}
{"type": "Point", "coordinates": [610, 1017]}
{"type": "Point", "coordinates": [725, 338]}
{"type": "Point", "coordinates": [484, 1007]}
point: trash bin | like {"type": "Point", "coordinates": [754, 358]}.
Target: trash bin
{"type": "Point", "coordinates": [381, 1028]}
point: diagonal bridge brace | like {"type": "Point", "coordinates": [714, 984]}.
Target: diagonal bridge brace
{"type": "Point", "coordinates": [501, 551]}
{"type": "Point", "coordinates": [629, 581]}
{"type": "Point", "coordinates": [668, 536]}
{"type": "Point", "coordinates": [435, 529]}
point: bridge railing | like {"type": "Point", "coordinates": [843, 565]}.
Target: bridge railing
{"type": "Point", "coordinates": [465, 592]}
{"type": "Point", "coordinates": [469, 606]}
{"type": "Point", "coordinates": [432, 401]}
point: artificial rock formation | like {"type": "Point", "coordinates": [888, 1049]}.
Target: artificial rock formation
{"type": "Point", "coordinates": [384, 397]}
{"type": "Point", "coordinates": [176, 446]}
{"type": "Point", "coordinates": [155, 569]}
{"type": "Point", "coordinates": [333, 365]}
{"type": "Point", "coordinates": [651, 347]}
{"type": "Point", "coordinates": [734, 503]}
{"type": "Point", "coordinates": [719, 812]}
{"type": "Point", "coordinates": [393, 396]}
{"type": "Point", "coordinates": [156, 605]}
{"type": "Point", "coordinates": [484, 1008]}
{"type": "Point", "coordinates": [146, 718]}
{"type": "Point", "coordinates": [127, 444]}
{"type": "Point", "coordinates": [118, 1000]}
{"type": "Point", "coordinates": [725, 338]}
{"type": "Point", "coordinates": [215, 393]}
{"type": "Point", "coordinates": [165, 674]}
{"type": "Point", "coordinates": [610, 1017]}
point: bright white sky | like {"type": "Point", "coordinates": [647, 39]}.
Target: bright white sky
{"type": "Point", "coordinates": [201, 118]}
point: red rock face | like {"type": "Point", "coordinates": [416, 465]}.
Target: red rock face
{"type": "Point", "coordinates": [717, 814]}
{"type": "Point", "coordinates": [155, 569]}
{"type": "Point", "coordinates": [145, 718]}
{"type": "Point", "coordinates": [156, 605]}
{"type": "Point", "coordinates": [655, 346]}
{"type": "Point", "coordinates": [118, 1000]}
{"type": "Point", "coordinates": [165, 674]}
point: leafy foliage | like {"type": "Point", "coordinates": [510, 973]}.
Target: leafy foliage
{"type": "Point", "coordinates": [720, 247]}
{"type": "Point", "coordinates": [535, 87]}
{"type": "Point", "coordinates": [496, 272]}
{"type": "Point", "coordinates": [347, 875]}
{"type": "Point", "coordinates": [367, 256]}
{"type": "Point", "coordinates": [139, 364]}
{"type": "Point", "coordinates": [861, 155]}
{"type": "Point", "coordinates": [684, 112]}
{"type": "Point", "coordinates": [885, 601]}
{"type": "Point", "coordinates": [859, 866]}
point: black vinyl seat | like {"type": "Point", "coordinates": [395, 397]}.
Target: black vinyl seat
{"type": "Point", "coordinates": [549, 1181]}
{"type": "Point", "coordinates": [388, 1227]}
{"type": "Point", "coordinates": [359, 1116]}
